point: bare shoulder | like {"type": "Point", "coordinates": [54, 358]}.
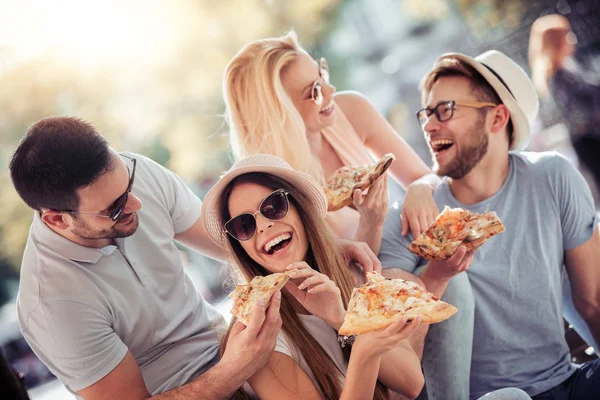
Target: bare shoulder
{"type": "Point", "coordinates": [359, 111]}
{"type": "Point", "coordinates": [351, 102]}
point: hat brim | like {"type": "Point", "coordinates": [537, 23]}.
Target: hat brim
{"type": "Point", "coordinates": [211, 205]}
{"type": "Point", "coordinates": [522, 130]}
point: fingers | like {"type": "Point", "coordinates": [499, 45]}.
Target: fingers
{"type": "Point", "coordinates": [294, 291]}
{"type": "Point", "coordinates": [257, 318]}
{"type": "Point", "coordinates": [236, 329]}
{"type": "Point", "coordinates": [358, 198]}
{"type": "Point", "coordinates": [366, 258]}
{"type": "Point", "coordinates": [405, 222]}
{"type": "Point", "coordinates": [311, 281]}
{"type": "Point", "coordinates": [323, 288]}
{"type": "Point", "coordinates": [423, 225]}
{"type": "Point", "coordinates": [272, 322]}
{"type": "Point", "coordinates": [413, 220]}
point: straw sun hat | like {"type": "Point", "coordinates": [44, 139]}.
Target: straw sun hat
{"type": "Point", "coordinates": [257, 163]}
{"type": "Point", "coordinates": [513, 86]}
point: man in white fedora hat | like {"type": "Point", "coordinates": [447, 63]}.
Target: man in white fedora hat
{"type": "Point", "coordinates": [509, 328]}
{"type": "Point", "coordinates": [103, 299]}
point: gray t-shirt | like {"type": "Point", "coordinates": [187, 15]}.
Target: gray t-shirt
{"type": "Point", "coordinates": [546, 207]}
{"type": "Point", "coordinates": [81, 309]}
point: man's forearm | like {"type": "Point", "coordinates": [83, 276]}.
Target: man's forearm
{"type": "Point", "coordinates": [432, 283]}
{"type": "Point", "coordinates": [218, 383]}
{"type": "Point", "coordinates": [370, 235]}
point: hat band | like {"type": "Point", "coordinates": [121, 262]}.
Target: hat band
{"type": "Point", "coordinates": [500, 79]}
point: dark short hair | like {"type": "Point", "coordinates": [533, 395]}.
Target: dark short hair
{"type": "Point", "coordinates": [56, 157]}
{"type": "Point", "coordinates": [451, 66]}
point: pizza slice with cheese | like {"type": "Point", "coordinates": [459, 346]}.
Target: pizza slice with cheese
{"type": "Point", "coordinates": [341, 185]}
{"type": "Point", "coordinates": [380, 302]}
{"type": "Point", "coordinates": [455, 227]}
{"type": "Point", "coordinates": [246, 296]}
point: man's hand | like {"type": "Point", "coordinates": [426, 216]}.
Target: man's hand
{"type": "Point", "coordinates": [437, 273]}
{"type": "Point", "coordinates": [250, 347]}
{"type": "Point", "coordinates": [361, 253]}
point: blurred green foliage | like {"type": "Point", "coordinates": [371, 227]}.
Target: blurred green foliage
{"type": "Point", "coordinates": [159, 95]}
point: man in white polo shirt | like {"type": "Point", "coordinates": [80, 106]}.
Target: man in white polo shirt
{"type": "Point", "coordinates": [104, 301]}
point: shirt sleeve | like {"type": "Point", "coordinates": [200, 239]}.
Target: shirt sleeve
{"type": "Point", "coordinates": [75, 341]}
{"type": "Point", "coordinates": [393, 252]}
{"type": "Point", "coordinates": [576, 205]}
{"type": "Point", "coordinates": [183, 205]}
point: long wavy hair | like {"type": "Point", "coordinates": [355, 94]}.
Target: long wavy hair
{"type": "Point", "coordinates": [324, 257]}
{"type": "Point", "coordinates": [547, 38]}
{"type": "Point", "coordinates": [262, 117]}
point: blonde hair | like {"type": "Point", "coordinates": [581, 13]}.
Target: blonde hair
{"type": "Point", "coordinates": [323, 255]}
{"type": "Point", "coordinates": [548, 35]}
{"type": "Point", "coordinates": [262, 117]}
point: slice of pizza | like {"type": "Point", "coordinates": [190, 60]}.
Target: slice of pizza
{"type": "Point", "coordinates": [341, 185]}
{"type": "Point", "coordinates": [455, 227]}
{"type": "Point", "coordinates": [246, 296]}
{"type": "Point", "coordinates": [380, 302]}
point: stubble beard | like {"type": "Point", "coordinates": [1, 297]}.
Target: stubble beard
{"type": "Point", "coordinates": [84, 231]}
{"type": "Point", "coordinates": [468, 156]}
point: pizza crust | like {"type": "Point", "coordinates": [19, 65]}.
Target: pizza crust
{"type": "Point", "coordinates": [246, 296]}
{"type": "Point", "coordinates": [341, 185]}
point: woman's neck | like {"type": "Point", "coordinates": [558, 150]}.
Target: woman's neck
{"type": "Point", "coordinates": [315, 141]}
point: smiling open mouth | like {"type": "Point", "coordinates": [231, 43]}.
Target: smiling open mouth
{"type": "Point", "coordinates": [440, 145]}
{"type": "Point", "coordinates": [277, 244]}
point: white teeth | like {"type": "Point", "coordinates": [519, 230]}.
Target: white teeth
{"type": "Point", "coordinates": [269, 245]}
{"type": "Point", "coordinates": [328, 108]}
{"type": "Point", "coordinates": [441, 142]}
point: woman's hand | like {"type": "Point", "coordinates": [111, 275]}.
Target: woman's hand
{"type": "Point", "coordinates": [373, 206]}
{"type": "Point", "coordinates": [419, 210]}
{"type": "Point", "coordinates": [376, 344]}
{"type": "Point", "coordinates": [317, 293]}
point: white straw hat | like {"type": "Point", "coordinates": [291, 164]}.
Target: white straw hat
{"type": "Point", "coordinates": [513, 86]}
{"type": "Point", "coordinates": [257, 163]}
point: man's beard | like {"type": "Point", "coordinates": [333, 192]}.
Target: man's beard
{"type": "Point", "coordinates": [468, 156]}
{"type": "Point", "coordinates": [84, 231]}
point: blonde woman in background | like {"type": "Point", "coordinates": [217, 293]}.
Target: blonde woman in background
{"type": "Point", "coordinates": [576, 91]}
{"type": "Point", "coordinates": [279, 101]}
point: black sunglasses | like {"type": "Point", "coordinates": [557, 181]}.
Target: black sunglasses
{"type": "Point", "coordinates": [274, 207]}
{"type": "Point", "coordinates": [119, 204]}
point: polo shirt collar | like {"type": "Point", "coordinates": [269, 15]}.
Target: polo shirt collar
{"type": "Point", "coordinates": [63, 246]}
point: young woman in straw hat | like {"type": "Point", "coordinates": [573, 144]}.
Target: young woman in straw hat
{"type": "Point", "coordinates": [271, 218]}
{"type": "Point", "coordinates": [279, 101]}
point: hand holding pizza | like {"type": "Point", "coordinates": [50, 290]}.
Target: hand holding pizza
{"type": "Point", "coordinates": [380, 342]}
{"type": "Point", "coordinates": [446, 269]}
{"type": "Point", "coordinates": [361, 253]}
{"type": "Point", "coordinates": [317, 293]}
{"type": "Point", "coordinates": [249, 347]}
{"type": "Point", "coordinates": [372, 206]}
{"type": "Point", "coordinates": [419, 210]}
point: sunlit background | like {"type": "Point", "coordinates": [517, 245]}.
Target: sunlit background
{"type": "Point", "coordinates": [148, 75]}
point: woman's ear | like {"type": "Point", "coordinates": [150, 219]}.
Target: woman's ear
{"type": "Point", "coordinates": [55, 219]}
{"type": "Point", "coordinates": [501, 118]}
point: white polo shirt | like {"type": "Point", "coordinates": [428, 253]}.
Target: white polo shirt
{"type": "Point", "coordinates": [81, 309]}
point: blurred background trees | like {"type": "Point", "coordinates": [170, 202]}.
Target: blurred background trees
{"type": "Point", "coordinates": [148, 74]}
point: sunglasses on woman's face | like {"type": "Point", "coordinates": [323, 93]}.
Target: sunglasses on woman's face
{"type": "Point", "coordinates": [316, 93]}
{"type": "Point", "coordinates": [274, 207]}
